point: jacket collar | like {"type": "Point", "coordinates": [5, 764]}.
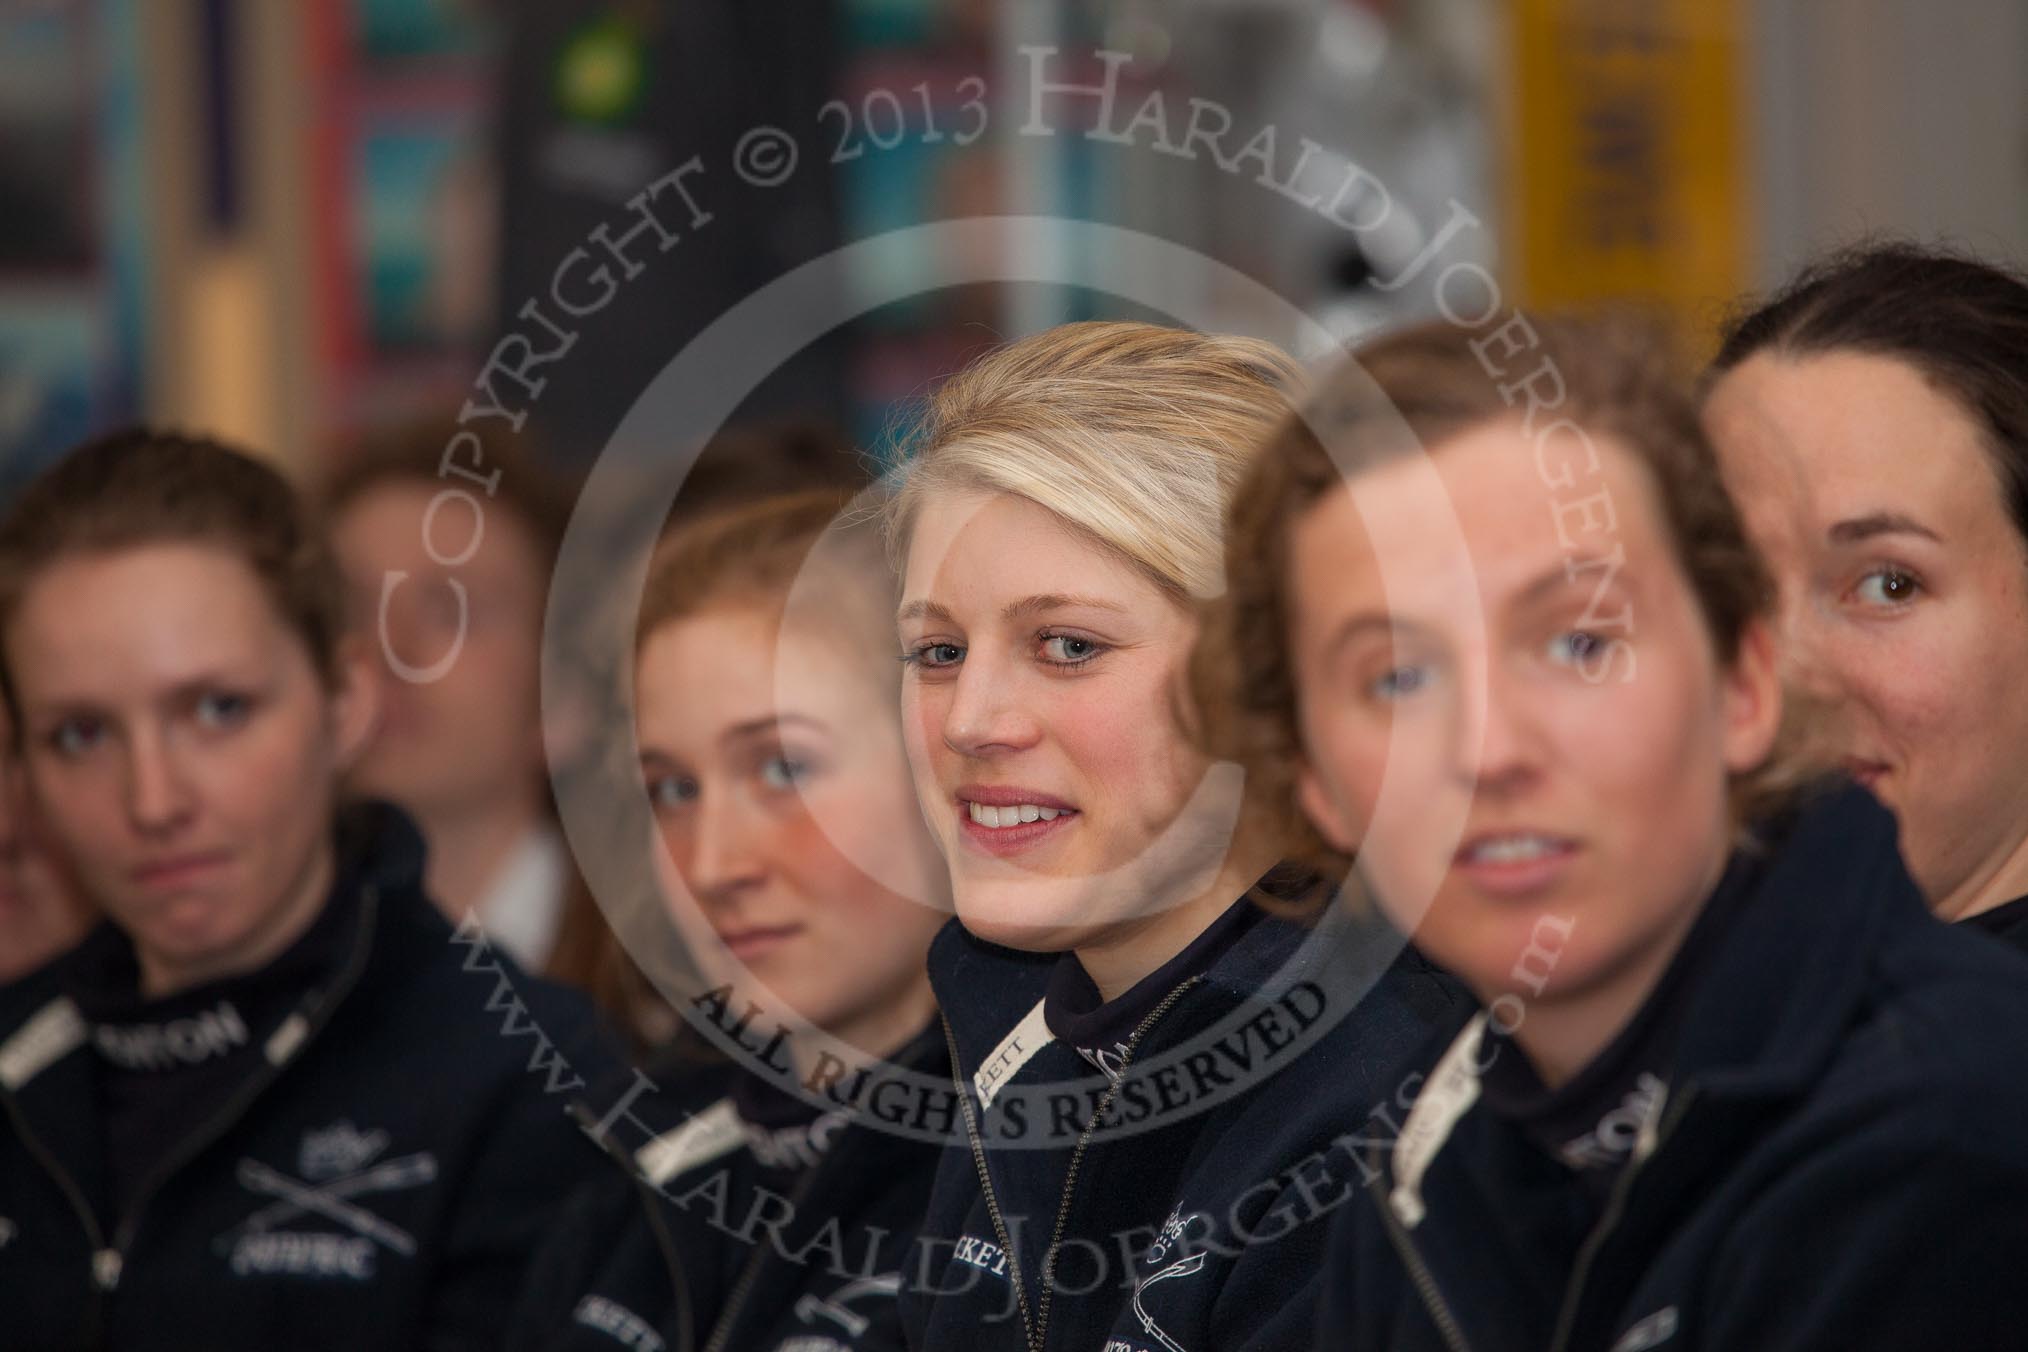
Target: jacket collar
{"type": "Point", "coordinates": [991, 994]}
{"type": "Point", "coordinates": [1765, 1023]}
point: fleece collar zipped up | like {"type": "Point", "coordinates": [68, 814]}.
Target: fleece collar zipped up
{"type": "Point", "coordinates": [282, 1047]}
{"type": "Point", "coordinates": [1163, 1192]}
{"type": "Point", "coordinates": [1759, 1034]}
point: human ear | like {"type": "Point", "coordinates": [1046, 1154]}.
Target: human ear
{"type": "Point", "coordinates": [1752, 700]}
{"type": "Point", "coordinates": [1319, 805]}
{"type": "Point", "coordinates": [354, 700]}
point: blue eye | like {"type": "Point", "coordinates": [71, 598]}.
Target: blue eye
{"type": "Point", "coordinates": [672, 791]}
{"type": "Point", "coordinates": [75, 736]}
{"type": "Point", "coordinates": [1400, 682]}
{"type": "Point", "coordinates": [1069, 650]}
{"type": "Point", "coordinates": [1888, 587]}
{"type": "Point", "coordinates": [222, 709]}
{"type": "Point", "coordinates": [1575, 648]}
{"type": "Point", "coordinates": [934, 655]}
{"type": "Point", "coordinates": [783, 772]}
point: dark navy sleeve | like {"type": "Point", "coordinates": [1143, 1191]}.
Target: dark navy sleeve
{"type": "Point", "coordinates": [530, 1162]}
{"type": "Point", "coordinates": [1900, 1238]}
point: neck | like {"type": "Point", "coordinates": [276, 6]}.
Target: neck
{"type": "Point", "coordinates": [468, 848]}
{"type": "Point", "coordinates": [32, 932]}
{"type": "Point", "coordinates": [1995, 883]}
{"type": "Point", "coordinates": [1563, 1032]}
{"type": "Point", "coordinates": [1116, 962]}
{"type": "Point", "coordinates": [874, 1033]}
{"type": "Point", "coordinates": [163, 975]}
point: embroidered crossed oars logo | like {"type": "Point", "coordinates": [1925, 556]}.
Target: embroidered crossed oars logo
{"type": "Point", "coordinates": [331, 1198]}
{"type": "Point", "coordinates": [810, 1307]}
{"type": "Point", "coordinates": [1181, 1268]}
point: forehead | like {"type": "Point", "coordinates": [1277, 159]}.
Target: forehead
{"type": "Point", "coordinates": [384, 526]}
{"type": "Point", "coordinates": [108, 626]}
{"type": "Point", "coordinates": [1473, 522]}
{"type": "Point", "coordinates": [1846, 434]}
{"type": "Point", "coordinates": [736, 664]}
{"type": "Point", "coordinates": [972, 549]}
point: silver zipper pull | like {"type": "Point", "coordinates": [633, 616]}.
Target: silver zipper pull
{"type": "Point", "coordinates": [106, 1265]}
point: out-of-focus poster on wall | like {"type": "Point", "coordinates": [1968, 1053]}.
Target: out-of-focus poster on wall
{"type": "Point", "coordinates": [1627, 171]}
{"type": "Point", "coordinates": [422, 231]}
{"type": "Point", "coordinates": [70, 252]}
{"type": "Point", "coordinates": [390, 30]}
{"type": "Point", "coordinates": [405, 93]}
{"type": "Point", "coordinates": [51, 353]}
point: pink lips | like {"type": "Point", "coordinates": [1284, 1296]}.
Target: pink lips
{"type": "Point", "coordinates": [1003, 841]}
{"type": "Point", "coordinates": [172, 873]}
{"type": "Point", "coordinates": [1540, 868]}
{"type": "Point", "coordinates": [748, 944]}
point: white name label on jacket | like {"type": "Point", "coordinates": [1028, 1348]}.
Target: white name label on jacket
{"type": "Point", "coordinates": [1451, 1089]}
{"type": "Point", "coordinates": [1016, 1050]}
{"type": "Point", "coordinates": [56, 1030]}
{"type": "Point", "coordinates": [715, 1131]}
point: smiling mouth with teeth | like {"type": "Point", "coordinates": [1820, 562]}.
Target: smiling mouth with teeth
{"type": "Point", "coordinates": [997, 818]}
{"type": "Point", "coordinates": [1514, 849]}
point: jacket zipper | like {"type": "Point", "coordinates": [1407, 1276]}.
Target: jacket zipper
{"type": "Point", "coordinates": [94, 1234]}
{"type": "Point", "coordinates": [199, 1141]}
{"type": "Point", "coordinates": [723, 1331]}
{"type": "Point", "coordinates": [651, 1201]}
{"type": "Point", "coordinates": [1418, 1271]}
{"type": "Point", "coordinates": [1566, 1322]}
{"type": "Point", "coordinates": [108, 1261]}
{"type": "Point", "coordinates": [1077, 1157]}
{"type": "Point", "coordinates": [986, 1183]}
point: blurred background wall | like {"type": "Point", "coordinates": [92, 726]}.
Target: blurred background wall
{"type": "Point", "coordinates": [293, 222]}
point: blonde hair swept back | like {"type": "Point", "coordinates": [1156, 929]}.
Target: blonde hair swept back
{"type": "Point", "coordinates": [1136, 434]}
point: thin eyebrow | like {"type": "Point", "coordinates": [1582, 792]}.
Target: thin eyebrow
{"type": "Point", "coordinates": [1855, 529]}
{"type": "Point", "coordinates": [1037, 605]}
{"type": "Point", "coordinates": [765, 727]}
{"type": "Point", "coordinates": [1014, 610]}
{"type": "Point", "coordinates": [1558, 576]}
{"type": "Point", "coordinates": [1357, 626]}
{"type": "Point", "coordinates": [1567, 574]}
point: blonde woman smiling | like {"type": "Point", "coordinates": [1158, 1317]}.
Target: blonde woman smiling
{"type": "Point", "coordinates": [1057, 525]}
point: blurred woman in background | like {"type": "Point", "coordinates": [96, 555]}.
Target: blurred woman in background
{"type": "Point", "coordinates": [41, 914]}
{"type": "Point", "coordinates": [1057, 525]}
{"type": "Point", "coordinates": [1872, 420]}
{"type": "Point", "coordinates": [1730, 1080]}
{"type": "Point", "coordinates": [274, 1102]}
{"type": "Point", "coordinates": [799, 871]}
{"type": "Point", "coordinates": [459, 739]}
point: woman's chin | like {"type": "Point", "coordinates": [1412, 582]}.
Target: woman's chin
{"type": "Point", "coordinates": [1017, 916]}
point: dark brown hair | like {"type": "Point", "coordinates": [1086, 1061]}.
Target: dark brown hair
{"type": "Point", "coordinates": [1407, 394]}
{"type": "Point", "coordinates": [1959, 322]}
{"type": "Point", "coordinates": [145, 486]}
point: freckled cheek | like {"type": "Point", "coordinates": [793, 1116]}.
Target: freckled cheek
{"type": "Point", "coordinates": [1915, 688]}
{"type": "Point", "coordinates": [1125, 756]}
{"type": "Point", "coordinates": [815, 851]}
